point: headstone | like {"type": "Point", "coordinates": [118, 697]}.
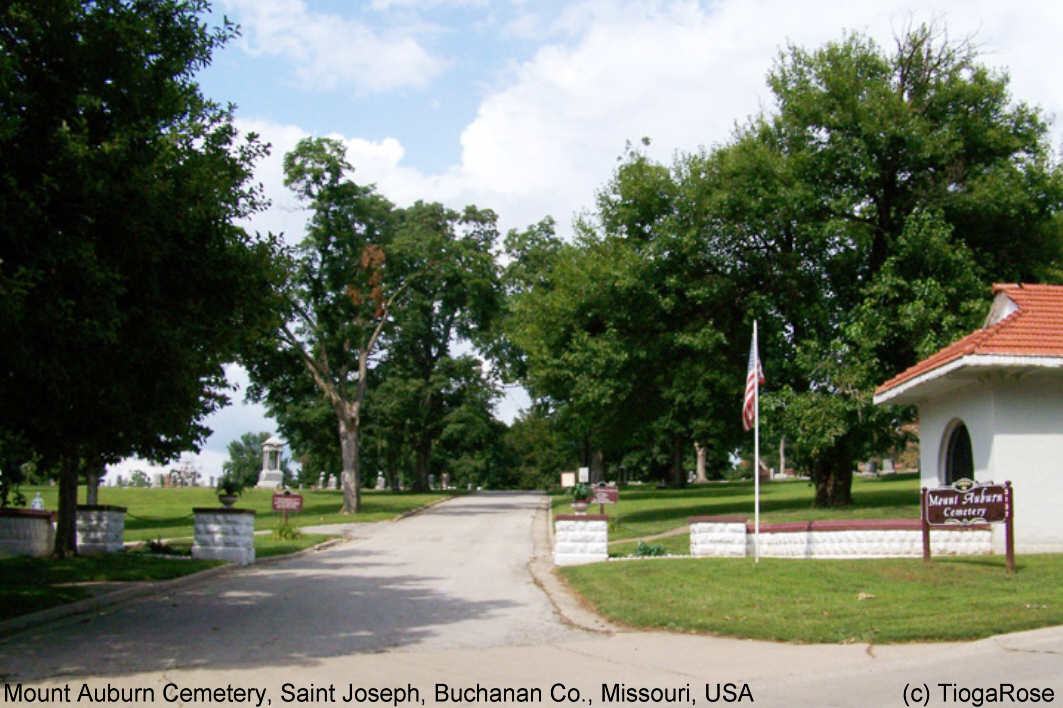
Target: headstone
{"type": "Point", "coordinates": [212, 481]}
{"type": "Point", "coordinates": [431, 481]}
{"type": "Point", "coordinates": [584, 475]}
{"type": "Point", "coordinates": [321, 481]}
{"type": "Point", "coordinates": [156, 480]}
{"type": "Point", "coordinates": [38, 502]}
{"type": "Point", "coordinates": [381, 483]}
{"type": "Point", "coordinates": [887, 466]}
{"type": "Point", "coordinates": [446, 481]}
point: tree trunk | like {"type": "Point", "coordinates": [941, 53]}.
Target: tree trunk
{"type": "Point", "coordinates": [703, 454]}
{"type": "Point", "coordinates": [351, 482]}
{"type": "Point", "coordinates": [678, 477]}
{"type": "Point", "coordinates": [66, 524]}
{"type": "Point", "coordinates": [421, 456]}
{"type": "Point", "coordinates": [834, 481]}
{"type": "Point", "coordinates": [597, 466]}
{"type": "Point", "coordinates": [92, 486]}
{"type": "Point", "coordinates": [782, 455]}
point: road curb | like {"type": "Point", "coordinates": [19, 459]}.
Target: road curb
{"type": "Point", "coordinates": [422, 509]}
{"type": "Point", "coordinates": [570, 608]}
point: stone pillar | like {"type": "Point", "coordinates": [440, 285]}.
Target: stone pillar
{"type": "Point", "coordinates": [224, 534]}
{"type": "Point", "coordinates": [100, 528]}
{"type": "Point", "coordinates": [26, 532]}
{"type": "Point", "coordinates": [717, 536]}
{"type": "Point", "coordinates": [580, 538]}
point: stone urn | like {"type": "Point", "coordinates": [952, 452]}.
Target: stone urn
{"type": "Point", "coordinates": [580, 506]}
{"type": "Point", "coordinates": [227, 500]}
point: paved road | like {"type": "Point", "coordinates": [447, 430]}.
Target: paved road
{"type": "Point", "coordinates": [446, 599]}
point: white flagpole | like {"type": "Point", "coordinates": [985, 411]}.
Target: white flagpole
{"type": "Point", "coordinates": [756, 447]}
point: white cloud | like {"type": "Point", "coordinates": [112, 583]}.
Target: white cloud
{"type": "Point", "coordinates": [327, 51]}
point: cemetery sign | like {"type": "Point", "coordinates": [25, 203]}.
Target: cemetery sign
{"type": "Point", "coordinates": [968, 502]}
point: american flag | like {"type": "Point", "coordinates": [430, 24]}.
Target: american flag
{"type": "Point", "coordinates": [754, 378]}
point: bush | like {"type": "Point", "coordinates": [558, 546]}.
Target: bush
{"type": "Point", "coordinates": [647, 549]}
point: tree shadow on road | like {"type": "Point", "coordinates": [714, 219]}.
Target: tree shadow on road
{"type": "Point", "coordinates": [289, 614]}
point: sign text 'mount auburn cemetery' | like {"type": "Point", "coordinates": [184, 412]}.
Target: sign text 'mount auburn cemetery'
{"type": "Point", "coordinates": [980, 504]}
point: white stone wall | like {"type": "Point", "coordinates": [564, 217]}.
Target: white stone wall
{"type": "Point", "coordinates": [708, 539]}
{"type": "Point", "coordinates": [26, 535]}
{"type": "Point", "coordinates": [100, 530]}
{"type": "Point", "coordinates": [222, 534]}
{"type": "Point", "coordinates": [715, 538]}
{"type": "Point", "coordinates": [578, 542]}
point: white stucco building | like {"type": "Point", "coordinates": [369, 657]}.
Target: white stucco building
{"type": "Point", "coordinates": [991, 409]}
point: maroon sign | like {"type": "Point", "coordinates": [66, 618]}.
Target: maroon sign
{"type": "Point", "coordinates": [967, 504]}
{"type": "Point", "coordinates": [604, 495]}
{"type": "Point", "coordinates": [287, 502]}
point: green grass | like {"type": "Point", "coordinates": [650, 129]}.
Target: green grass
{"type": "Point", "coordinates": [881, 600]}
{"type": "Point", "coordinates": [644, 511]}
{"type": "Point", "coordinates": [678, 545]}
{"type": "Point", "coordinates": [31, 584]}
{"type": "Point", "coordinates": [167, 513]}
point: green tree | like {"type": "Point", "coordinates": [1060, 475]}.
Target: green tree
{"type": "Point", "coordinates": [124, 283]}
{"type": "Point", "coordinates": [339, 294]}
{"type": "Point", "coordinates": [861, 222]}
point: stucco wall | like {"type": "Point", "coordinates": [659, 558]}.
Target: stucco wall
{"type": "Point", "coordinates": [225, 534]}
{"type": "Point", "coordinates": [1016, 428]}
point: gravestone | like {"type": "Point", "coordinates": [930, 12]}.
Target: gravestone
{"type": "Point", "coordinates": [887, 466]}
{"type": "Point", "coordinates": [381, 483]}
{"type": "Point", "coordinates": [446, 481]}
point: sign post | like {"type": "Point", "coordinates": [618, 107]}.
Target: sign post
{"type": "Point", "coordinates": [968, 502]}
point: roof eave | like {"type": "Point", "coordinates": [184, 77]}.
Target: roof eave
{"type": "Point", "coordinates": [916, 389]}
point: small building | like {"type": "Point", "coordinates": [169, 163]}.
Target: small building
{"type": "Point", "coordinates": [991, 409]}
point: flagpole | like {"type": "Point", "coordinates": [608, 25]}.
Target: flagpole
{"type": "Point", "coordinates": [756, 450]}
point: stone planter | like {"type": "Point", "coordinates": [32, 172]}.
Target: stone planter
{"type": "Point", "coordinates": [224, 534]}
{"type": "Point", "coordinates": [581, 538]}
{"type": "Point", "coordinates": [580, 507]}
{"type": "Point", "coordinates": [100, 528]}
{"type": "Point", "coordinates": [26, 532]}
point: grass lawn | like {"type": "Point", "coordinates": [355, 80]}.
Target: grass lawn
{"type": "Point", "coordinates": [167, 513]}
{"type": "Point", "coordinates": [644, 511]}
{"type": "Point", "coordinates": [875, 600]}
{"type": "Point", "coordinates": [31, 584]}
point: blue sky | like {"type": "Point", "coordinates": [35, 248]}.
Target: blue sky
{"type": "Point", "coordinates": [524, 106]}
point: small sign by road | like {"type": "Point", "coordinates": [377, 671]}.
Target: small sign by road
{"type": "Point", "coordinates": [288, 502]}
{"type": "Point", "coordinates": [968, 502]}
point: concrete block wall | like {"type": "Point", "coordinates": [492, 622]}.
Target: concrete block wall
{"type": "Point", "coordinates": [26, 532]}
{"type": "Point", "coordinates": [879, 538]}
{"type": "Point", "coordinates": [100, 528]}
{"type": "Point", "coordinates": [224, 534]}
{"type": "Point", "coordinates": [720, 536]}
{"type": "Point", "coordinates": [580, 538]}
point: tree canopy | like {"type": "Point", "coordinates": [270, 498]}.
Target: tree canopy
{"type": "Point", "coordinates": [124, 283]}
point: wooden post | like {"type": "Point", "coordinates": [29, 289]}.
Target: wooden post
{"type": "Point", "coordinates": [1009, 526]}
{"type": "Point", "coordinates": [926, 528]}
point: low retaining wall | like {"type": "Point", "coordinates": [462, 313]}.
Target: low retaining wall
{"type": "Point", "coordinates": [580, 538]}
{"type": "Point", "coordinates": [100, 528]}
{"type": "Point", "coordinates": [26, 532]}
{"type": "Point", "coordinates": [225, 534]}
{"type": "Point", "coordinates": [875, 538]}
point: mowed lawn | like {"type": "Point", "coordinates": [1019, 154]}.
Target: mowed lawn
{"type": "Point", "coordinates": [167, 513]}
{"type": "Point", "coordinates": [811, 601]}
{"type": "Point", "coordinates": [646, 511]}
{"type": "Point", "coordinates": [828, 601]}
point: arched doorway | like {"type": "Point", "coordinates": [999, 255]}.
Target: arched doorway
{"type": "Point", "coordinates": [959, 462]}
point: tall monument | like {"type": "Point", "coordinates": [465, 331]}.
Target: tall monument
{"type": "Point", "coordinates": [271, 475]}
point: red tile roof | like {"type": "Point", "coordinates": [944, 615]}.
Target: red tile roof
{"type": "Point", "coordinates": [1035, 329]}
